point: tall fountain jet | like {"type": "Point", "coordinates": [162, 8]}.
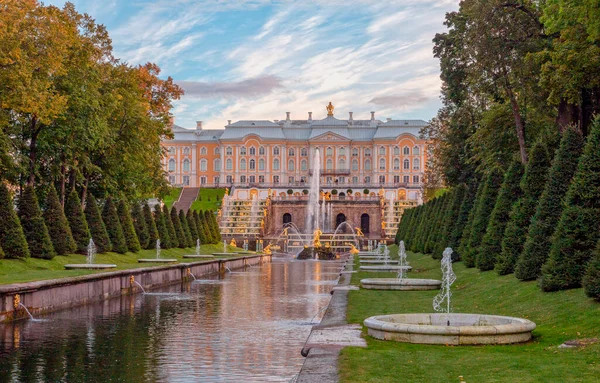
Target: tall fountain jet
{"type": "Point", "coordinates": [312, 218]}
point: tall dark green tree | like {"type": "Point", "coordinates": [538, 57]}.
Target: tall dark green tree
{"type": "Point", "coordinates": [2, 255]}
{"type": "Point", "coordinates": [113, 227]}
{"type": "Point", "coordinates": [435, 224]}
{"type": "Point", "coordinates": [591, 279]}
{"type": "Point", "coordinates": [177, 225]}
{"type": "Point", "coordinates": [77, 222]}
{"type": "Point", "coordinates": [96, 225]}
{"type": "Point", "coordinates": [12, 238]}
{"type": "Point", "coordinates": [161, 227]}
{"type": "Point", "coordinates": [174, 241]}
{"type": "Point", "coordinates": [483, 209]}
{"type": "Point", "coordinates": [36, 232]}
{"type": "Point", "coordinates": [57, 224]}
{"type": "Point", "coordinates": [458, 227]}
{"type": "Point", "coordinates": [543, 224]}
{"type": "Point", "coordinates": [217, 231]}
{"type": "Point", "coordinates": [578, 230]}
{"type": "Point", "coordinates": [131, 238]}
{"type": "Point", "coordinates": [139, 223]}
{"type": "Point", "coordinates": [150, 226]}
{"type": "Point", "coordinates": [187, 233]}
{"type": "Point", "coordinates": [463, 244]}
{"type": "Point", "coordinates": [450, 219]}
{"type": "Point", "coordinates": [204, 234]}
{"type": "Point", "coordinates": [191, 221]}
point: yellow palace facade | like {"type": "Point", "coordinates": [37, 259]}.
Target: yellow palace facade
{"type": "Point", "coordinates": [280, 154]}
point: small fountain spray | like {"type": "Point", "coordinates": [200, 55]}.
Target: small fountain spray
{"type": "Point", "coordinates": [158, 248]}
{"type": "Point", "coordinates": [448, 278]}
{"type": "Point", "coordinates": [91, 252]}
{"type": "Point", "coordinates": [224, 246]}
{"type": "Point", "coordinates": [197, 246]}
{"type": "Point", "coordinates": [402, 260]}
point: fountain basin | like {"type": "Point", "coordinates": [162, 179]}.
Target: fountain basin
{"type": "Point", "coordinates": [405, 284]}
{"type": "Point", "coordinates": [199, 256]}
{"type": "Point", "coordinates": [225, 254]}
{"type": "Point", "coordinates": [379, 262]}
{"type": "Point", "coordinates": [85, 266]}
{"type": "Point", "coordinates": [464, 329]}
{"type": "Point", "coordinates": [360, 253]}
{"type": "Point", "coordinates": [385, 268]}
{"type": "Point", "coordinates": [156, 260]}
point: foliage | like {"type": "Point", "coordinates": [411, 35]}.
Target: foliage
{"type": "Point", "coordinates": [187, 233]}
{"type": "Point", "coordinates": [131, 238]}
{"type": "Point", "coordinates": [179, 231]}
{"type": "Point", "coordinates": [77, 222]}
{"type": "Point", "coordinates": [57, 224]}
{"type": "Point", "coordinates": [366, 192]}
{"type": "Point", "coordinates": [97, 228]}
{"type": "Point", "coordinates": [150, 226]}
{"type": "Point", "coordinates": [139, 223]}
{"type": "Point", "coordinates": [12, 238]}
{"type": "Point", "coordinates": [113, 227]}
{"type": "Point", "coordinates": [161, 228]}
{"type": "Point", "coordinates": [591, 279]}
{"type": "Point", "coordinates": [191, 222]}
{"type": "Point", "coordinates": [173, 239]}
{"type": "Point", "coordinates": [32, 221]}
{"type": "Point", "coordinates": [334, 192]}
{"type": "Point", "coordinates": [449, 220]}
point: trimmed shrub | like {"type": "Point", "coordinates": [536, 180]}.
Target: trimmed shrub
{"type": "Point", "coordinates": [1, 253]}
{"type": "Point", "coordinates": [161, 227]}
{"type": "Point", "coordinates": [290, 192]}
{"type": "Point", "coordinates": [150, 227]}
{"type": "Point", "coordinates": [131, 238]}
{"type": "Point", "coordinates": [36, 232]}
{"type": "Point", "coordinates": [173, 239]}
{"type": "Point", "coordinates": [305, 191]}
{"type": "Point", "coordinates": [57, 224]}
{"type": "Point", "coordinates": [334, 192]}
{"type": "Point", "coordinates": [113, 227]}
{"type": "Point", "coordinates": [349, 192]}
{"type": "Point", "coordinates": [468, 228]}
{"type": "Point", "coordinates": [548, 211]}
{"type": "Point", "coordinates": [578, 230]}
{"type": "Point", "coordinates": [458, 226]}
{"type": "Point", "coordinates": [366, 192]}
{"type": "Point", "coordinates": [177, 226]}
{"type": "Point", "coordinates": [96, 225]}
{"type": "Point", "coordinates": [484, 208]}
{"type": "Point", "coordinates": [187, 233]}
{"type": "Point", "coordinates": [435, 223]}
{"type": "Point", "coordinates": [591, 279]}
{"type": "Point", "coordinates": [191, 222]}
{"type": "Point", "coordinates": [201, 228]}
{"type": "Point", "coordinates": [12, 238]}
{"type": "Point", "coordinates": [139, 223]}
{"type": "Point", "coordinates": [215, 223]}
{"type": "Point", "coordinates": [77, 222]}
{"type": "Point", "coordinates": [449, 219]}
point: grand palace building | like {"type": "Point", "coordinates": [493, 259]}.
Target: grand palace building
{"type": "Point", "coordinates": [279, 155]}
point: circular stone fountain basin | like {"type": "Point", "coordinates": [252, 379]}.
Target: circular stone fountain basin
{"type": "Point", "coordinates": [464, 329]}
{"type": "Point", "coordinates": [85, 266]}
{"type": "Point", "coordinates": [385, 268]}
{"type": "Point", "coordinates": [379, 262]}
{"type": "Point", "coordinates": [156, 260]}
{"type": "Point", "coordinates": [405, 284]}
{"type": "Point", "coordinates": [199, 256]}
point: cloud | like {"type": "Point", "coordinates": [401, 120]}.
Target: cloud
{"type": "Point", "coordinates": [400, 100]}
{"type": "Point", "coordinates": [257, 86]}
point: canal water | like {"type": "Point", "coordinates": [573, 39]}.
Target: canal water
{"type": "Point", "coordinates": [246, 327]}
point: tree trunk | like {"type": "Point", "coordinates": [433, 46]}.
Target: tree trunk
{"type": "Point", "coordinates": [518, 124]}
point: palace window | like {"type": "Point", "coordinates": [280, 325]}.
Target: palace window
{"type": "Point", "coordinates": [291, 165]}
{"type": "Point", "coordinates": [329, 164]}
{"type": "Point", "coordinates": [186, 180]}
{"type": "Point", "coordinates": [216, 180]}
{"type": "Point", "coordinates": [406, 164]}
{"type": "Point", "coordinates": [229, 151]}
{"type": "Point", "coordinates": [416, 164]}
{"type": "Point", "coordinates": [406, 179]}
{"type": "Point", "coordinates": [416, 179]}
{"type": "Point", "coordinates": [276, 164]}
{"type": "Point", "coordinates": [171, 165]}
{"type": "Point", "coordinates": [291, 179]}
{"type": "Point", "coordinates": [416, 151]}
{"type": "Point", "coordinates": [355, 152]}
{"type": "Point", "coordinates": [228, 164]}
{"type": "Point", "coordinates": [368, 179]}
{"type": "Point", "coordinates": [406, 150]}
{"type": "Point", "coordinates": [382, 150]}
{"type": "Point", "coordinates": [217, 165]}
{"type": "Point", "coordinates": [217, 150]}
{"type": "Point", "coordinates": [252, 179]}
{"type": "Point", "coordinates": [396, 179]}
{"type": "Point", "coordinates": [276, 150]}
{"type": "Point", "coordinates": [252, 151]}
{"type": "Point", "coordinates": [382, 164]}
{"type": "Point", "coordinates": [203, 150]}
{"type": "Point", "coordinates": [261, 164]}
{"type": "Point", "coordinates": [186, 151]}
{"type": "Point", "coordinates": [367, 152]}
{"type": "Point", "coordinates": [243, 164]}
{"type": "Point", "coordinates": [355, 165]}
{"type": "Point", "coordinates": [303, 179]}
{"type": "Point", "coordinates": [202, 180]}
{"type": "Point", "coordinates": [291, 152]}
{"type": "Point", "coordinates": [396, 151]}
{"type": "Point", "coordinates": [252, 165]}
{"type": "Point", "coordinates": [354, 180]}
{"type": "Point", "coordinates": [203, 164]}
{"type": "Point", "coordinates": [275, 179]}
{"type": "Point", "coordinates": [396, 164]}
{"type": "Point", "coordinates": [186, 165]}
{"type": "Point", "coordinates": [243, 179]}
{"type": "Point", "coordinates": [172, 150]}
{"type": "Point", "coordinates": [303, 165]}
{"type": "Point", "coordinates": [342, 151]}
{"type": "Point", "coordinates": [341, 163]}
{"type": "Point", "coordinates": [304, 152]}
{"type": "Point", "coordinates": [172, 180]}
{"type": "Point", "coordinates": [243, 151]}
{"type": "Point", "coordinates": [229, 179]}
{"type": "Point", "coordinates": [261, 151]}
{"type": "Point", "coordinates": [329, 151]}
{"type": "Point", "coordinates": [368, 165]}
{"type": "Point", "coordinates": [381, 179]}
{"type": "Point", "coordinates": [261, 179]}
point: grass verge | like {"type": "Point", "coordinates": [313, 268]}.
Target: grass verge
{"type": "Point", "coordinates": [208, 199]}
{"type": "Point", "coordinates": [559, 317]}
{"type": "Point", "coordinates": [172, 197]}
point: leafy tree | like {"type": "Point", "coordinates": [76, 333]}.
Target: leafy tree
{"type": "Point", "coordinates": [150, 226]}
{"type": "Point", "coordinates": [161, 227]}
{"type": "Point", "coordinates": [578, 230]}
{"type": "Point", "coordinates": [178, 227]}
{"type": "Point", "coordinates": [57, 224]}
{"type": "Point", "coordinates": [139, 223]}
{"type": "Point", "coordinates": [191, 221]}
{"type": "Point", "coordinates": [96, 225]}
{"type": "Point", "coordinates": [174, 241]}
{"type": "Point", "coordinates": [591, 279]}
{"type": "Point", "coordinates": [188, 240]}
{"type": "Point", "coordinates": [131, 238]}
{"type": "Point", "coordinates": [548, 211]}
{"type": "Point", "coordinates": [32, 221]}
{"type": "Point", "coordinates": [12, 238]}
{"type": "Point", "coordinates": [77, 222]}
{"type": "Point", "coordinates": [113, 227]}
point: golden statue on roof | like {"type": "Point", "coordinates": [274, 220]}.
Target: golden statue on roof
{"type": "Point", "coordinates": [330, 109]}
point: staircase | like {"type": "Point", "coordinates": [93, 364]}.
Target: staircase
{"type": "Point", "coordinates": [186, 198]}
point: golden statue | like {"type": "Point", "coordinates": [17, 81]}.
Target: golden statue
{"type": "Point", "coordinates": [317, 239]}
{"type": "Point", "coordinates": [353, 250]}
{"type": "Point", "coordinates": [219, 213]}
{"type": "Point", "coordinates": [321, 195]}
{"type": "Point", "coordinates": [262, 223]}
{"type": "Point", "coordinates": [381, 193]}
{"type": "Point", "coordinates": [267, 249]}
{"type": "Point", "coordinates": [226, 191]}
{"type": "Point", "coordinates": [285, 232]}
{"type": "Point", "coordinates": [265, 211]}
{"type": "Point", "coordinates": [359, 232]}
{"type": "Point", "coordinates": [328, 196]}
{"type": "Point", "coordinates": [330, 109]}
{"type": "Point", "coordinates": [269, 193]}
{"type": "Point", "coordinates": [382, 224]}
{"type": "Point", "coordinates": [232, 243]}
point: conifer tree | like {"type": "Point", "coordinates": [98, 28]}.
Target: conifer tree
{"type": "Point", "coordinates": [97, 228]}
{"type": "Point", "coordinates": [548, 211]}
{"type": "Point", "coordinates": [189, 241]}
{"type": "Point", "coordinates": [482, 215]}
{"type": "Point", "coordinates": [435, 236]}
{"type": "Point", "coordinates": [131, 238]}
{"type": "Point", "coordinates": [178, 226]}
{"type": "Point", "coordinates": [173, 240]}
{"type": "Point", "coordinates": [458, 226]}
{"type": "Point", "coordinates": [12, 238]}
{"type": "Point", "coordinates": [207, 224]}
{"type": "Point", "coordinates": [463, 246]}
{"type": "Point", "coordinates": [150, 226]}
{"type": "Point", "coordinates": [578, 230]}
{"type": "Point", "coordinates": [449, 221]}
{"type": "Point", "coordinates": [412, 233]}
{"type": "Point", "coordinates": [113, 227]}
{"type": "Point", "coordinates": [191, 222]}
{"type": "Point", "coordinates": [510, 191]}
{"type": "Point", "coordinates": [2, 255]}
{"type": "Point", "coordinates": [591, 279]}
{"type": "Point", "coordinates": [36, 232]}
{"type": "Point", "coordinates": [57, 224]}
{"type": "Point", "coordinates": [204, 228]}
{"type": "Point", "coordinates": [433, 224]}
{"type": "Point", "coordinates": [139, 223]}
{"type": "Point", "coordinates": [425, 225]}
{"type": "Point", "coordinates": [77, 222]}
{"type": "Point", "coordinates": [161, 227]}
{"type": "Point", "coordinates": [216, 227]}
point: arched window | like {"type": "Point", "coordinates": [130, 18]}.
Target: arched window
{"type": "Point", "coordinates": [276, 164]}
{"type": "Point", "coordinates": [287, 218]}
{"type": "Point", "coordinates": [304, 152]}
{"type": "Point", "coordinates": [186, 165]}
{"type": "Point", "coordinates": [203, 164]}
{"type": "Point", "coordinates": [276, 150]}
{"type": "Point", "coordinates": [217, 165]}
{"type": "Point", "coordinates": [416, 164]}
{"type": "Point", "coordinates": [406, 151]}
{"type": "Point", "coordinates": [228, 164]}
{"type": "Point", "coordinates": [382, 164]}
{"type": "Point", "coordinates": [367, 152]}
{"type": "Point", "coordinates": [229, 151]}
{"type": "Point", "coordinates": [368, 165]}
{"type": "Point", "coordinates": [291, 152]}
{"type": "Point", "coordinates": [416, 151]}
{"type": "Point", "coordinates": [203, 150]}
{"type": "Point", "coordinates": [396, 151]}
{"type": "Point", "coordinates": [217, 150]}
{"type": "Point", "coordinates": [243, 164]}
{"type": "Point", "coordinates": [329, 151]}
{"type": "Point", "coordinates": [355, 165]}
{"type": "Point", "coordinates": [252, 165]}
{"type": "Point", "coordinates": [341, 163]}
{"type": "Point", "coordinates": [186, 151]}
{"type": "Point", "coordinates": [261, 164]}
{"type": "Point", "coordinates": [342, 151]}
{"type": "Point", "coordinates": [303, 165]}
{"type": "Point", "coordinates": [291, 165]}
{"type": "Point", "coordinates": [252, 151]}
{"type": "Point", "coordinates": [382, 150]}
{"type": "Point", "coordinates": [406, 164]}
{"type": "Point", "coordinates": [329, 164]}
{"type": "Point", "coordinates": [172, 150]}
{"type": "Point", "coordinates": [396, 164]}
{"type": "Point", "coordinates": [171, 165]}
{"type": "Point", "coordinates": [243, 151]}
{"type": "Point", "coordinates": [355, 152]}
{"type": "Point", "coordinates": [261, 151]}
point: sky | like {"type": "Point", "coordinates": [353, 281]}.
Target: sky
{"type": "Point", "coordinates": [258, 59]}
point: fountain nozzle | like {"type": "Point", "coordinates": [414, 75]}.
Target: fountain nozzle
{"type": "Point", "coordinates": [16, 301]}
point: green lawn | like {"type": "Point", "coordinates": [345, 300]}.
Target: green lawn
{"type": "Point", "coordinates": [172, 197]}
{"type": "Point", "coordinates": [559, 317]}
{"type": "Point", "coordinates": [208, 199]}
{"type": "Point", "coordinates": [33, 269]}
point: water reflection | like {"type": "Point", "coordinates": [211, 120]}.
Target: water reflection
{"type": "Point", "coordinates": [250, 328]}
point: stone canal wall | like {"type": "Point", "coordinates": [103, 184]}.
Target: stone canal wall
{"type": "Point", "coordinates": [51, 295]}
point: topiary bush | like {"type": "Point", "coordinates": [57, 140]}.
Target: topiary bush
{"type": "Point", "coordinates": [34, 228]}
{"type": "Point", "coordinates": [591, 279]}
{"type": "Point", "coordinates": [113, 227]}
{"type": "Point", "coordinates": [177, 226]}
{"type": "Point", "coordinates": [187, 233]}
{"type": "Point", "coordinates": [131, 238]}
{"type": "Point", "coordinates": [191, 222]}
{"type": "Point", "coordinates": [449, 220]}
{"type": "Point", "coordinates": [463, 244]}
{"type": "Point", "coordinates": [290, 192]}
{"type": "Point", "coordinates": [150, 226]}
{"type": "Point", "coordinates": [366, 192]}
{"type": "Point", "coordinates": [77, 222]}
{"type": "Point", "coordinates": [170, 227]}
{"type": "Point", "coordinates": [57, 224]}
{"type": "Point", "coordinates": [349, 192]}
{"type": "Point", "coordinates": [334, 192]}
{"type": "Point", "coordinates": [139, 223]}
{"type": "Point", "coordinates": [305, 191]}
{"type": "Point", "coordinates": [12, 238]}
{"type": "Point", "coordinates": [97, 228]}
{"type": "Point", "coordinates": [161, 227]}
